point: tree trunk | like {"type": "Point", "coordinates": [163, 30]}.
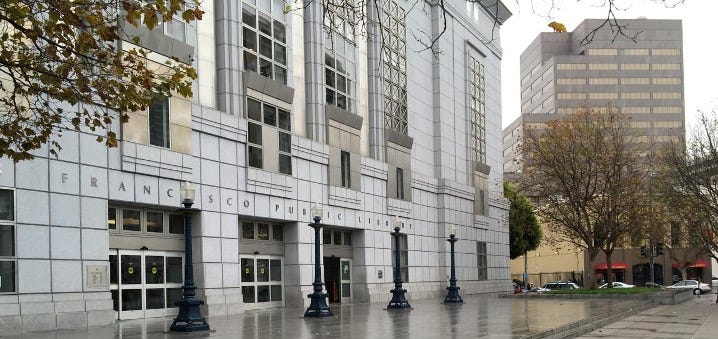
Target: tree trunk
{"type": "Point", "coordinates": [609, 271]}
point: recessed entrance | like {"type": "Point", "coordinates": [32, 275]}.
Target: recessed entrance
{"type": "Point", "coordinates": [145, 284]}
{"type": "Point", "coordinates": [337, 278]}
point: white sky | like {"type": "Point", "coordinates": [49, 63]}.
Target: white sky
{"type": "Point", "coordinates": [700, 43]}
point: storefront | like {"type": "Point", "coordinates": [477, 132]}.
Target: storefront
{"type": "Point", "coordinates": [261, 260]}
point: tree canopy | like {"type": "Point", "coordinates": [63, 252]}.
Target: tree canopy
{"type": "Point", "coordinates": [588, 179]}
{"type": "Point", "coordinates": [524, 229]}
{"type": "Point", "coordinates": [70, 64]}
{"type": "Point", "coordinates": [691, 184]}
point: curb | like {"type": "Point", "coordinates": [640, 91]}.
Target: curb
{"type": "Point", "coordinates": [584, 326]}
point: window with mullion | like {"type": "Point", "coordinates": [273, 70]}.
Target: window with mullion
{"type": "Point", "coordinates": [394, 64]}
{"type": "Point", "coordinates": [477, 107]}
{"type": "Point", "coordinates": [159, 122]}
{"type": "Point", "coordinates": [403, 257]}
{"type": "Point", "coordinates": [259, 116]}
{"type": "Point", "coordinates": [264, 42]}
{"type": "Point", "coordinates": [8, 261]}
{"type": "Point", "coordinates": [340, 55]}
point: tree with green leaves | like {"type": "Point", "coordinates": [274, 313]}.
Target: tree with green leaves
{"type": "Point", "coordinates": [70, 64]}
{"type": "Point", "coordinates": [524, 229]}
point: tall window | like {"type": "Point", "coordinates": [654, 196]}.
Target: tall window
{"type": "Point", "coordinates": [346, 169]}
{"type": "Point", "coordinates": [134, 220]}
{"type": "Point", "coordinates": [159, 114]}
{"type": "Point", "coordinates": [8, 262]}
{"type": "Point", "coordinates": [340, 58]}
{"type": "Point", "coordinates": [404, 257]}
{"type": "Point", "coordinates": [264, 39]}
{"type": "Point", "coordinates": [477, 108]}
{"type": "Point", "coordinates": [260, 116]}
{"type": "Point", "coordinates": [394, 67]}
{"type": "Point", "coordinates": [175, 28]}
{"type": "Point", "coordinates": [481, 263]}
{"type": "Point", "coordinates": [399, 183]}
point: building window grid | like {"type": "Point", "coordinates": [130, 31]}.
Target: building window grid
{"type": "Point", "coordinates": [602, 81]}
{"type": "Point", "coordinates": [570, 67]}
{"type": "Point", "coordinates": [481, 260]}
{"type": "Point", "coordinates": [666, 51]}
{"type": "Point", "coordinates": [634, 67]}
{"type": "Point", "coordinates": [635, 95]}
{"type": "Point", "coordinates": [394, 67]}
{"type": "Point", "coordinates": [571, 81]}
{"type": "Point", "coordinates": [264, 40]}
{"type": "Point", "coordinates": [346, 169]}
{"type": "Point", "coordinates": [143, 221]}
{"type": "Point", "coordinates": [175, 28]}
{"type": "Point", "coordinates": [260, 115]}
{"type": "Point", "coordinates": [666, 81]}
{"type": "Point", "coordinates": [262, 231]}
{"type": "Point", "coordinates": [477, 108]}
{"type": "Point", "coordinates": [666, 95]}
{"type": "Point", "coordinates": [602, 95]}
{"type": "Point", "coordinates": [159, 122]}
{"type": "Point", "coordinates": [666, 109]}
{"type": "Point", "coordinates": [666, 67]}
{"type": "Point", "coordinates": [603, 67]}
{"type": "Point", "coordinates": [340, 56]}
{"type": "Point", "coordinates": [634, 81]}
{"type": "Point", "coordinates": [602, 51]}
{"type": "Point", "coordinates": [635, 51]}
{"type": "Point", "coordinates": [8, 259]}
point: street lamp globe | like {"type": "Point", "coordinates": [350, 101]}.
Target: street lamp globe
{"type": "Point", "coordinates": [452, 230]}
{"type": "Point", "coordinates": [398, 223]}
{"type": "Point", "coordinates": [317, 212]}
{"type": "Point", "coordinates": [187, 193]}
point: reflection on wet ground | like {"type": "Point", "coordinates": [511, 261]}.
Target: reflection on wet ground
{"type": "Point", "coordinates": [481, 316]}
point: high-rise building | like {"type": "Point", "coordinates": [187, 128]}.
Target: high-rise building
{"type": "Point", "coordinates": [284, 116]}
{"type": "Point", "coordinates": [638, 71]}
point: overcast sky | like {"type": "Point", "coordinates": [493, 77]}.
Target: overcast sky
{"type": "Point", "coordinates": [700, 42]}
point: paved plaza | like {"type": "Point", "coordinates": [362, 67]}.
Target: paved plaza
{"type": "Point", "coordinates": [481, 316]}
{"type": "Point", "coordinates": [696, 318]}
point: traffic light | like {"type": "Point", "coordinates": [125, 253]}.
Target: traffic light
{"type": "Point", "coordinates": [659, 248]}
{"type": "Point", "coordinates": [643, 251]}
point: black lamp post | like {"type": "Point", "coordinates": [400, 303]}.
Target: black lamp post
{"type": "Point", "coordinates": [190, 318]}
{"type": "Point", "coordinates": [398, 298]}
{"type": "Point", "coordinates": [318, 306]}
{"type": "Point", "coordinates": [453, 297]}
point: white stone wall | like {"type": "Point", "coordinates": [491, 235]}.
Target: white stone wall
{"type": "Point", "coordinates": [62, 203]}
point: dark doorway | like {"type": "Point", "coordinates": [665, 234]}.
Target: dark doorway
{"type": "Point", "coordinates": [332, 279]}
{"type": "Point", "coordinates": [642, 275]}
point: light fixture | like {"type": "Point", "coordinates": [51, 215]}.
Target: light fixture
{"type": "Point", "coordinates": [397, 222]}
{"type": "Point", "coordinates": [317, 211]}
{"type": "Point", "coordinates": [187, 193]}
{"type": "Point", "coordinates": [452, 230]}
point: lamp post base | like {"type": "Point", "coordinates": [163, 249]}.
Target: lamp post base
{"type": "Point", "coordinates": [189, 318]}
{"type": "Point", "coordinates": [398, 300]}
{"type": "Point", "coordinates": [453, 297]}
{"type": "Point", "coordinates": [318, 307]}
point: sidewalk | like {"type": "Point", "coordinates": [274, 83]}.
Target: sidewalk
{"type": "Point", "coordinates": [481, 316]}
{"type": "Point", "coordinates": [695, 318]}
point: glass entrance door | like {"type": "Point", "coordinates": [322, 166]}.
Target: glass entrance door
{"type": "Point", "coordinates": [262, 283]}
{"type": "Point", "coordinates": [145, 284]}
{"type": "Point", "coordinates": [346, 270]}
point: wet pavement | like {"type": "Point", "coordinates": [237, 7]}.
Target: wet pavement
{"type": "Point", "coordinates": [696, 318]}
{"type": "Point", "coordinates": [481, 316]}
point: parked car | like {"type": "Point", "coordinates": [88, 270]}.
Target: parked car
{"type": "Point", "coordinates": [714, 281]}
{"type": "Point", "coordinates": [617, 284]}
{"type": "Point", "coordinates": [560, 285]}
{"type": "Point", "coordinates": [696, 286]}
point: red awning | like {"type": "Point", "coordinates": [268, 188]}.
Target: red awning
{"type": "Point", "coordinates": [614, 265]}
{"type": "Point", "coordinates": [697, 264]}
